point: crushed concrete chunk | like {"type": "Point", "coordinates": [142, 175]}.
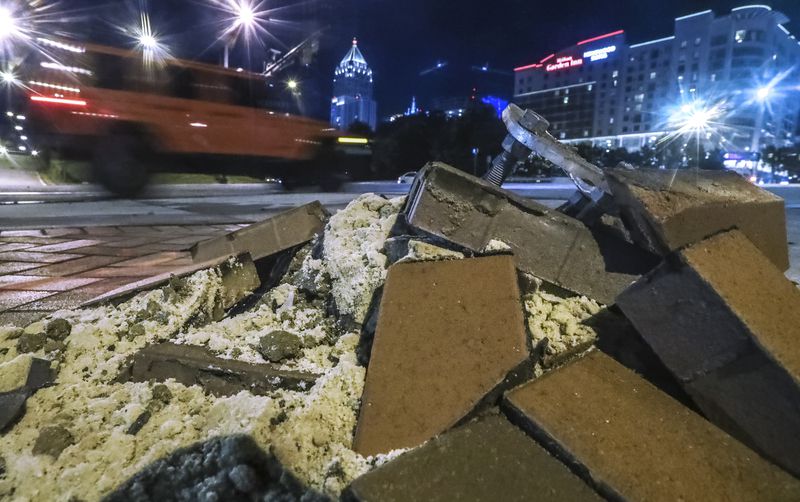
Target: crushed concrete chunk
{"type": "Point", "coordinates": [279, 345]}
{"type": "Point", "coordinates": [31, 342]}
{"type": "Point", "coordinates": [406, 249]}
{"type": "Point", "coordinates": [191, 365]}
{"type": "Point", "coordinates": [273, 235]}
{"type": "Point", "coordinates": [669, 209]}
{"type": "Point", "coordinates": [725, 321]}
{"type": "Point", "coordinates": [225, 468]}
{"type": "Point", "coordinates": [19, 379]}
{"type": "Point", "coordinates": [485, 459]}
{"type": "Point", "coordinates": [633, 442]}
{"type": "Point", "coordinates": [450, 335]}
{"type": "Point", "coordinates": [471, 213]}
{"type": "Point", "coordinates": [58, 329]}
{"type": "Point", "coordinates": [52, 441]}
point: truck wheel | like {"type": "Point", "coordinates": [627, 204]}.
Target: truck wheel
{"type": "Point", "coordinates": [120, 164]}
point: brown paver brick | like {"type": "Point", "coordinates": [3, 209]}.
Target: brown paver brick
{"type": "Point", "coordinates": [64, 246]}
{"type": "Point", "coordinates": [102, 231]}
{"type": "Point", "coordinates": [84, 264]}
{"type": "Point", "coordinates": [132, 242]}
{"type": "Point", "coordinates": [668, 209]}
{"type": "Point", "coordinates": [31, 257]}
{"type": "Point", "coordinates": [12, 267]}
{"type": "Point", "coordinates": [13, 299]}
{"type": "Point", "coordinates": [450, 336]}
{"type": "Point", "coordinates": [59, 301]}
{"type": "Point", "coordinates": [33, 240]}
{"type": "Point", "coordinates": [63, 232]}
{"type": "Point", "coordinates": [152, 259]}
{"type": "Point", "coordinates": [487, 459]}
{"type": "Point", "coordinates": [102, 250]}
{"type": "Point", "coordinates": [725, 321]}
{"type": "Point", "coordinates": [273, 235]}
{"type": "Point", "coordinates": [636, 443]}
{"type": "Point", "coordinates": [20, 319]}
{"type": "Point", "coordinates": [35, 283]}
{"type": "Point", "coordinates": [129, 271]}
{"type": "Point", "coordinates": [14, 246]}
{"type": "Point", "coordinates": [21, 233]}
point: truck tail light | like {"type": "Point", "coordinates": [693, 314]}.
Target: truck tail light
{"type": "Point", "coordinates": [59, 101]}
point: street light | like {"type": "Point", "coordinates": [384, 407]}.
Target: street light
{"type": "Point", "coordinates": [148, 42]}
{"type": "Point", "coordinates": [292, 85]}
{"type": "Point", "coordinates": [763, 93]}
{"type": "Point", "coordinates": [245, 17]}
{"type": "Point", "coordinates": [8, 24]}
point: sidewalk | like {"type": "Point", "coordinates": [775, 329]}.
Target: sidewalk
{"type": "Point", "coordinates": [42, 271]}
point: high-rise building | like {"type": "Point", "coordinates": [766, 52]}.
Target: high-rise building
{"type": "Point", "coordinates": [352, 91]}
{"type": "Point", "coordinates": [727, 79]}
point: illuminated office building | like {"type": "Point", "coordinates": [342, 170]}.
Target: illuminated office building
{"type": "Point", "coordinates": [729, 79]}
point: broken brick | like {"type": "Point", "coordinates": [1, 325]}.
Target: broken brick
{"type": "Point", "coordinates": [486, 459]}
{"type": "Point", "coordinates": [450, 337]}
{"type": "Point", "coordinates": [192, 365]}
{"type": "Point", "coordinates": [273, 235]}
{"type": "Point", "coordinates": [449, 204]}
{"type": "Point", "coordinates": [633, 442]}
{"type": "Point", "coordinates": [668, 209]}
{"type": "Point", "coordinates": [725, 321]}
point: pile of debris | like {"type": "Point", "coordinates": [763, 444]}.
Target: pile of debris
{"type": "Point", "coordinates": [460, 343]}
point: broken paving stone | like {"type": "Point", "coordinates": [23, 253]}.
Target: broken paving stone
{"type": "Point", "coordinates": [222, 468]}
{"type": "Point", "coordinates": [471, 213]}
{"type": "Point", "coordinates": [724, 320]}
{"type": "Point", "coordinates": [668, 209]}
{"type": "Point", "coordinates": [58, 329]}
{"type": "Point", "coordinates": [52, 441]}
{"type": "Point", "coordinates": [12, 407]}
{"type": "Point", "coordinates": [279, 345]}
{"type": "Point", "coordinates": [30, 342]}
{"type": "Point", "coordinates": [450, 337]}
{"type": "Point", "coordinates": [406, 249]}
{"type": "Point", "coordinates": [486, 459]}
{"type": "Point", "coordinates": [19, 379]}
{"type": "Point", "coordinates": [273, 235]}
{"type": "Point", "coordinates": [192, 365]}
{"type": "Point", "coordinates": [633, 442]}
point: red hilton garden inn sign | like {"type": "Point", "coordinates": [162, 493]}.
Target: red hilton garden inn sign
{"type": "Point", "coordinates": [564, 62]}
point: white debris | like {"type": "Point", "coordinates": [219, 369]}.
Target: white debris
{"type": "Point", "coordinates": [424, 251]}
{"type": "Point", "coordinates": [353, 251]}
{"type": "Point", "coordinates": [557, 325]}
{"type": "Point", "coordinates": [495, 246]}
{"type": "Point", "coordinates": [310, 431]}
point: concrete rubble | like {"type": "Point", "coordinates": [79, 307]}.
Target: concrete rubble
{"type": "Point", "coordinates": [666, 210]}
{"type": "Point", "coordinates": [460, 343]}
{"type": "Point", "coordinates": [470, 213]}
{"type": "Point", "coordinates": [733, 345]}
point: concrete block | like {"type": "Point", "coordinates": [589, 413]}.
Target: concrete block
{"type": "Point", "coordinates": [450, 337]}
{"type": "Point", "coordinates": [239, 279]}
{"type": "Point", "coordinates": [668, 209]}
{"type": "Point", "coordinates": [273, 235]}
{"type": "Point", "coordinates": [192, 365]}
{"type": "Point", "coordinates": [486, 459]}
{"type": "Point", "coordinates": [469, 212]}
{"type": "Point", "coordinates": [726, 322]}
{"type": "Point", "coordinates": [633, 442]}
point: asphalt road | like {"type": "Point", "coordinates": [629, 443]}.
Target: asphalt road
{"type": "Point", "coordinates": [28, 204]}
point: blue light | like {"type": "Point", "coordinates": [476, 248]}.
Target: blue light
{"type": "Point", "coordinates": [499, 104]}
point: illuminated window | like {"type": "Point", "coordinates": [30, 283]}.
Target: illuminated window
{"type": "Point", "coordinates": [566, 100]}
{"type": "Point", "coordinates": [697, 41]}
{"type": "Point", "coordinates": [652, 75]}
{"type": "Point", "coordinates": [740, 36]}
{"type": "Point", "coordinates": [683, 44]}
{"type": "Point", "coordinates": [611, 120]}
{"type": "Point", "coordinates": [615, 74]}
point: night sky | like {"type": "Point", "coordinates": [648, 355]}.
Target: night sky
{"type": "Point", "coordinates": [399, 38]}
